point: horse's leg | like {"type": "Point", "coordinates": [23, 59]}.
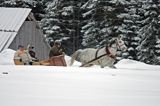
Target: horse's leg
{"type": "Point", "coordinates": [73, 57]}
{"type": "Point", "coordinates": [102, 66]}
{"type": "Point", "coordinates": [100, 63]}
{"type": "Point", "coordinates": [112, 66]}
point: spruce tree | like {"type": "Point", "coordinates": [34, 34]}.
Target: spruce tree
{"type": "Point", "coordinates": [149, 31]}
{"type": "Point", "coordinates": [100, 22]}
{"type": "Point", "coordinates": [129, 28]}
{"type": "Point", "coordinates": [89, 24]}
{"type": "Point", "coordinates": [62, 23]}
{"type": "Point", "coordinates": [157, 51]}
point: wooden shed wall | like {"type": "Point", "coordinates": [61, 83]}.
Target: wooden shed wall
{"type": "Point", "coordinates": [30, 34]}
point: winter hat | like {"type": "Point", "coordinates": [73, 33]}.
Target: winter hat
{"type": "Point", "coordinates": [57, 42]}
{"type": "Point", "coordinates": [20, 46]}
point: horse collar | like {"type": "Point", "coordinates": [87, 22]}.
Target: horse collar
{"type": "Point", "coordinates": [109, 53]}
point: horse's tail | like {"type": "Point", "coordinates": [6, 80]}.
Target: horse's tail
{"type": "Point", "coordinates": [73, 57]}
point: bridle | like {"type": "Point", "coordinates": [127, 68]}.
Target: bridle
{"type": "Point", "coordinates": [118, 45]}
{"type": "Point", "coordinates": [108, 53]}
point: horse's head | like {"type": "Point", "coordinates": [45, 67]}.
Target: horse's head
{"type": "Point", "coordinates": [118, 43]}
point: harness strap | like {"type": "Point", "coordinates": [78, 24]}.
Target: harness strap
{"type": "Point", "coordinates": [96, 55]}
{"type": "Point", "coordinates": [109, 53]}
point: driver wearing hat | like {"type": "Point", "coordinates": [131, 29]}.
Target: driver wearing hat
{"type": "Point", "coordinates": [56, 49]}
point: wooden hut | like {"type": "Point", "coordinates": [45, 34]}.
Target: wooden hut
{"type": "Point", "coordinates": [19, 27]}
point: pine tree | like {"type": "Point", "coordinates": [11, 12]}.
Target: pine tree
{"type": "Point", "coordinates": [62, 23]}
{"type": "Point", "coordinates": [1, 2]}
{"type": "Point", "coordinates": [89, 24]}
{"type": "Point", "coordinates": [130, 28]}
{"type": "Point", "coordinates": [157, 51]}
{"type": "Point", "coordinates": [149, 31]}
{"type": "Point", "coordinates": [101, 22]}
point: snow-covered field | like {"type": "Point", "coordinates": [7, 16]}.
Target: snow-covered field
{"type": "Point", "coordinates": [131, 84]}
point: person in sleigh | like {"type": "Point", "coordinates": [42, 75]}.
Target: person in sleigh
{"type": "Point", "coordinates": [56, 55]}
{"type": "Point", "coordinates": [22, 56]}
{"type": "Point", "coordinates": [56, 49]}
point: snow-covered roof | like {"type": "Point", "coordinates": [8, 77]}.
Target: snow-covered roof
{"type": "Point", "coordinates": [11, 19]}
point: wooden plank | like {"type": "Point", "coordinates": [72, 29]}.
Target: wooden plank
{"type": "Point", "coordinates": [18, 62]}
{"type": "Point", "coordinates": [58, 61]}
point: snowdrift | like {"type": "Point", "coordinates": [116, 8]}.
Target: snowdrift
{"type": "Point", "coordinates": [6, 57]}
{"type": "Point", "coordinates": [132, 64]}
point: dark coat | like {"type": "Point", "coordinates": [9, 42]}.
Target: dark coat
{"type": "Point", "coordinates": [32, 54]}
{"type": "Point", "coordinates": [55, 51]}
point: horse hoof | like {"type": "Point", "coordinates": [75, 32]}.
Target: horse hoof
{"type": "Point", "coordinates": [113, 67]}
{"type": "Point", "coordinates": [102, 66]}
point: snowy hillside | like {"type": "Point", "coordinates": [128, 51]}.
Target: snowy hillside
{"type": "Point", "coordinates": [132, 84]}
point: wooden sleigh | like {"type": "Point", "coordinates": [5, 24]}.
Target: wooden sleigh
{"type": "Point", "coordinates": [53, 61]}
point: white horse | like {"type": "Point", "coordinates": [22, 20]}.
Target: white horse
{"type": "Point", "coordinates": [104, 57]}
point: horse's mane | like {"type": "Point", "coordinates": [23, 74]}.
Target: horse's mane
{"type": "Point", "coordinates": [113, 41]}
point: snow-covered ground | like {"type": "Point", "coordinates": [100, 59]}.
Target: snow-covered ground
{"type": "Point", "coordinates": [131, 84]}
